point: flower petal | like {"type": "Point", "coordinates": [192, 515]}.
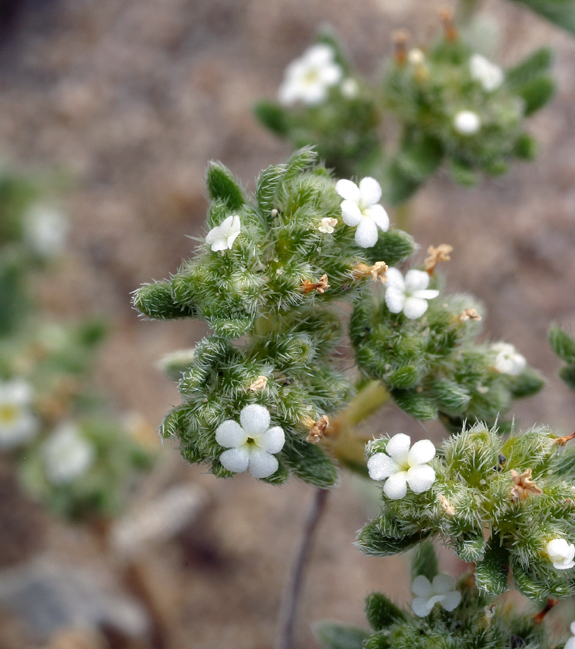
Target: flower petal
{"type": "Point", "coordinates": [262, 464]}
{"type": "Point", "coordinates": [220, 244]}
{"type": "Point", "coordinates": [255, 419]}
{"type": "Point", "coordinates": [395, 299]}
{"type": "Point", "coordinates": [313, 93]}
{"type": "Point", "coordinates": [272, 440]}
{"type": "Point", "coordinates": [381, 466]}
{"type": "Point", "coordinates": [351, 213]}
{"type": "Point", "coordinates": [395, 279]}
{"type": "Point", "coordinates": [451, 600]}
{"type": "Point", "coordinates": [572, 628]}
{"type": "Point", "coordinates": [230, 434]}
{"type": "Point", "coordinates": [348, 190]}
{"type": "Point", "coordinates": [398, 447]}
{"type": "Point", "coordinates": [369, 191]}
{"type": "Point", "coordinates": [318, 55]}
{"type": "Point", "coordinates": [416, 280]}
{"type": "Point", "coordinates": [215, 234]}
{"type": "Point", "coordinates": [233, 236]}
{"type": "Point", "coordinates": [235, 459]}
{"type": "Point", "coordinates": [414, 307]}
{"type": "Point", "coordinates": [366, 234]}
{"type": "Point", "coordinates": [425, 295]}
{"type": "Point", "coordinates": [421, 587]}
{"type": "Point", "coordinates": [421, 452]}
{"type": "Point", "coordinates": [379, 217]}
{"type": "Point", "coordinates": [330, 74]}
{"type": "Point", "coordinates": [570, 644]}
{"type": "Point", "coordinates": [420, 478]}
{"type": "Point", "coordinates": [419, 607]}
{"type": "Point", "coordinates": [226, 226]}
{"type": "Point", "coordinates": [395, 486]}
{"type": "Point", "coordinates": [442, 584]}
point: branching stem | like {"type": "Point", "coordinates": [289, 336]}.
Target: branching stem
{"type": "Point", "coordinates": [289, 609]}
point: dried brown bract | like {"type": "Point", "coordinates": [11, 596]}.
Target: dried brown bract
{"type": "Point", "coordinates": [448, 508]}
{"type": "Point", "coordinates": [318, 429]}
{"type": "Point", "coordinates": [377, 271]}
{"type": "Point", "coordinates": [320, 287]}
{"type": "Point", "coordinates": [468, 314]}
{"type": "Point", "coordinates": [524, 485]}
{"type": "Point", "coordinates": [437, 256]}
{"type": "Point", "coordinates": [259, 384]}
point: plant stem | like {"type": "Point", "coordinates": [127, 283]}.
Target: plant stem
{"type": "Point", "coordinates": [465, 11]}
{"type": "Point", "coordinates": [289, 608]}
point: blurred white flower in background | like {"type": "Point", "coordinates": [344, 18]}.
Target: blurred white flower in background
{"type": "Point", "coordinates": [46, 230]}
{"type": "Point", "coordinates": [67, 454]}
{"type": "Point", "coordinates": [18, 425]}
{"type": "Point", "coordinates": [466, 122]}
{"type": "Point", "coordinates": [428, 594]}
{"type": "Point", "coordinates": [308, 78]}
{"type": "Point", "coordinates": [175, 363]}
{"type": "Point", "coordinates": [488, 74]}
{"type": "Point", "coordinates": [349, 88]}
{"type": "Point", "coordinates": [508, 359]}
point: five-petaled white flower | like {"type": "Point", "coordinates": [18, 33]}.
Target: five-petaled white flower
{"type": "Point", "coordinates": [428, 594]}
{"type": "Point", "coordinates": [18, 425]}
{"type": "Point", "coordinates": [409, 294]}
{"type": "Point", "coordinates": [223, 236]}
{"type": "Point", "coordinates": [508, 359]}
{"type": "Point", "coordinates": [489, 75]}
{"type": "Point", "coordinates": [252, 443]}
{"type": "Point", "coordinates": [360, 208]}
{"type": "Point", "coordinates": [466, 122]}
{"type": "Point", "coordinates": [67, 454]}
{"type": "Point", "coordinates": [327, 225]}
{"type": "Point", "coordinates": [400, 466]}
{"type": "Point", "coordinates": [45, 230]}
{"type": "Point", "coordinates": [570, 644]}
{"type": "Point", "coordinates": [308, 78]}
{"type": "Point", "coordinates": [561, 553]}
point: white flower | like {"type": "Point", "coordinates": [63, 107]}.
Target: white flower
{"type": "Point", "coordinates": [327, 225]}
{"type": "Point", "coordinates": [349, 88]}
{"type": "Point", "coordinates": [428, 594]}
{"type": "Point", "coordinates": [488, 74]}
{"type": "Point", "coordinates": [17, 423]}
{"type": "Point", "coordinates": [400, 466]}
{"type": "Point", "coordinates": [360, 208]}
{"type": "Point", "coordinates": [252, 444]}
{"type": "Point", "coordinates": [409, 295]}
{"type": "Point", "coordinates": [223, 236]}
{"type": "Point", "coordinates": [45, 230]}
{"type": "Point", "coordinates": [308, 78]}
{"type": "Point", "coordinates": [466, 122]}
{"type": "Point", "coordinates": [561, 554]}
{"type": "Point", "coordinates": [508, 359]}
{"type": "Point", "coordinates": [570, 644]}
{"type": "Point", "coordinates": [67, 454]}
{"type": "Point", "coordinates": [415, 56]}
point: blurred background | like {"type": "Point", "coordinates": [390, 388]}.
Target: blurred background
{"type": "Point", "coordinates": [128, 101]}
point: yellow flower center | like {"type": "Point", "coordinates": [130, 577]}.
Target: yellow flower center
{"type": "Point", "coordinates": [8, 414]}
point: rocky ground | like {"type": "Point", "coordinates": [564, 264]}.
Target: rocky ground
{"type": "Point", "coordinates": [128, 101]}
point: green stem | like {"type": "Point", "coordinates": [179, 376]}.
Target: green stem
{"type": "Point", "coordinates": [465, 11]}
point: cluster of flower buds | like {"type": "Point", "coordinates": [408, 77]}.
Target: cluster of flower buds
{"type": "Point", "coordinates": [422, 345]}
{"type": "Point", "coordinates": [457, 106]}
{"type": "Point", "coordinates": [272, 269]}
{"type": "Point", "coordinates": [506, 504]}
{"type": "Point", "coordinates": [322, 102]}
{"type": "Point", "coordinates": [453, 105]}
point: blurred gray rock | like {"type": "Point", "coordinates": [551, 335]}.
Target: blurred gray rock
{"type": "Point", "coordinates": [48, 597]}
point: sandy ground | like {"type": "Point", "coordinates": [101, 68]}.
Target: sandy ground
{"type": "Point", "coordinates": [129, 100]}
